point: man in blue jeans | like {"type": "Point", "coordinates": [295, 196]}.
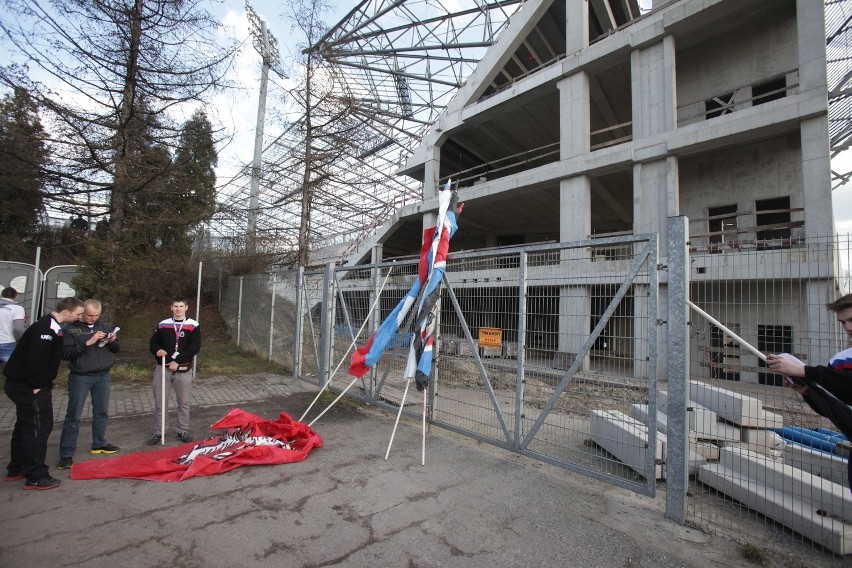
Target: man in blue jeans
{"type": "Point", "coordinates": [88, 346]}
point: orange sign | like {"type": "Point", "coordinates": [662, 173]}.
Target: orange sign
{"type": "Point", "coordinates": [490, 337]}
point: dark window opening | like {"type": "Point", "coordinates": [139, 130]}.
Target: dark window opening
{"type": "Point", "coordinates": [772, 217]}
{"type": "Point", "coordinates": [769, 91]}
{"type": "Point", "coordinates": [722, 224]}
{"type": "Point", "coordinates": [719, 105]}
{"type": "Point", "coordinates": [773, 339]}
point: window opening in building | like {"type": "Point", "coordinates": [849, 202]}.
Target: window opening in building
{"type": "Point", "coordinates": [769, 91]}
{"type": "Point", "coordinates": [722, 224]}
{"type": "Point", "coordinates": [773, 339]}
{"type": "Point", "coordinates": [719, 105]}
{"type": "Point", "coordinates": [772, 217]}
{"type": "Point", "coordinates": [724, 355]}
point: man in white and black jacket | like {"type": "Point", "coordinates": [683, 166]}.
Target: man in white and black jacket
{"type": "Point", "coordinates": [30, 373]}
{"type": "Point", "coordinates": [88, 346]}
{"type": "Point", "coordinates": [826, 388]}
{"type": "Point", "coordinates": [178, 340]}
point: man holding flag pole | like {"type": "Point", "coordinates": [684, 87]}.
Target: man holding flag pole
{"type": "Point", "coordinates": [175, 343]}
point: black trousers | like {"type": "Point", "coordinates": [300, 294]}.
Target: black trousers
{"type": "Point", "coordinates": [34, 413]}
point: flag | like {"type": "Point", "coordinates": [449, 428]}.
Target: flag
{"type": "Point", "coordinates": [433, 261]}
{"type": "Point", "coordinates": [249, 440]}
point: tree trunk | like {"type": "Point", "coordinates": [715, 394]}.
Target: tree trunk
{"type": "Point", "coordinates": [124, 138]}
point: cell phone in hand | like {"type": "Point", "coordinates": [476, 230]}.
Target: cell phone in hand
{"type": "Point", "coordinates": [106, 339]}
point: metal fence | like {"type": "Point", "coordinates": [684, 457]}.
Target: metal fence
{"type": "Point", "coordinates": [568, 353]}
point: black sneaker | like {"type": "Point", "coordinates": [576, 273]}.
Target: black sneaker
{"type": "Point", "coordinates": [14, 476]}
{"type": "Point", "coordinates": [105, 449]}
{"type": "Point", "coordinates": [65, 463]}
{"type": "Point", "coordinates": [42, 484]}
{"type": "Point", "coordinates": [153, 440]}
{"type": "Point", "coordinates": [184, 437]}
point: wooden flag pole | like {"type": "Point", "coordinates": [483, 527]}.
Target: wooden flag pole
{"type": "Point", "coordinates": [342, 359]}
{"type": "Point", "coordinates": [163, 404]}
{"type": "Point", "coordinates": [423, 442]}
{"type": "Point", "coordinates": [333, 402]}
{"type": "Point", "coordinates": [401, 404]}
{"type": "Point", "coordinates": [727, 331]}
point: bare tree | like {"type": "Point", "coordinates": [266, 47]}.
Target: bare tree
{"type": "Point", "coordinates": [91, 65]}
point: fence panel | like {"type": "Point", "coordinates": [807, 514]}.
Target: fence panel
{"type": "Point", "coordinates": [772, 294]}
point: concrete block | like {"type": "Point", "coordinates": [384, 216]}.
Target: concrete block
{"type": "Point", "coordinates": [831, 533]}
{"type": "Point", "coordinates": [734, 407]}
{"type": "Point", "coordinates": [825, 465]}
{"type": "Point", "coordinates": [765, 442]}
{"type": "Point", "coordinates": [703, 421]}
{"type": "Point", "coordinates": [626, 439]}
{"type": "Point", "coordinates": [707, 450]}
{"type": "Point", "coordinates": [702, 451]}
{"type": "Point", "coordinates": [823, 494]}
{"type": "Point", "coordinates": [787, 494]}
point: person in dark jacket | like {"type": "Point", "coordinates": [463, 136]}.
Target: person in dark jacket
{"type": "Point", "coordinates": [826, 388]}
{"type": "Point", "coordinates": [177, 340]}
{"type": "Point", "coordinates": [30, 373]}
{"type": "Point", "coordinates": [88, 346]}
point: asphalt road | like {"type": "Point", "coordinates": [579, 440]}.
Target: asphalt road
{"type": "Point", "coordinates": [471, 505]}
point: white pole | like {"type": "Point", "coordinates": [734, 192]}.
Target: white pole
{"type": "Point", "coordinates": [34, 315]}
{"type": "Point", "coordinates": [727, 331]}
{"type": "Point", "coordinates": [395, 424]}
{"type": "Point", "coordinates": [423, 442]}
{"type": "Point", "coordinates": [163, 404]}
{"type": "Point", "coordinates": [342, 359]}
{"type": "Point", "coordinates": [197, 314]}
{"type": "Point", "coordinates": [333, 402]}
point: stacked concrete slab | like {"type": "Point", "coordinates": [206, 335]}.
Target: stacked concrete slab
{"type": "Point", "coordinates": [814, 507]}
{"type": "Point", "coordinates": [626, 438]}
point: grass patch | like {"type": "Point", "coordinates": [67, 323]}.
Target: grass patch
{"type": "Point", "coordinates": [755, 554]}
{"type": "Point", "coordinates": [228, 359]}
{"type": "Point", "coordinates": [134, 364]}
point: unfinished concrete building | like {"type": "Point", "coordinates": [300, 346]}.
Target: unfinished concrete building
{"type": "Point", "coordinates": [588, 119]}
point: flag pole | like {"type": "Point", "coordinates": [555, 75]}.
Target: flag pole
{"type": "Point", "coordinates": [333, 402]}
{"type": "Point", "coordinates": [342, 359]}
{"type": "Point", "coordinates": [401, 404]}
{"type": "Point", "coordinates": [163, 404]}
{"type": "Point", "coordinates": [727, 331]}
{"type": "Point", "coordinates": [423, 442]}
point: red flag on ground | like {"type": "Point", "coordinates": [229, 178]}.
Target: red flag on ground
{"type": "Point", "coordinates": [250, 440]}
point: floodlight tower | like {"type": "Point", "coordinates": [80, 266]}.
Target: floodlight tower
{"type": "Point", "coordinates": [267, 46]}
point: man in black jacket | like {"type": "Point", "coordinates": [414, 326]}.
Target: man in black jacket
{"type": "Point", "coordinates": [826, 388]}
{"type": "Point", "coordinates": [88, 346]}
{"type": "Point", "coordinates": [30, 373]}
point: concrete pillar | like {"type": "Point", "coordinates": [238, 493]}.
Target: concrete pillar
{"type": "Point", "coordinates": [575, 224]}
{"type": "Point", "coordinates": [810, 28]}
{"type": "Point", "coordinates": [654, 89]}
{"type": "Point", "coordinates": [432, 172]}
{"type": "Point", "coordinates": [574, 115]}
{"type": "Point", "coordinates": [576, 25]}
{"type": "Point", "coordinates": [816, 177]}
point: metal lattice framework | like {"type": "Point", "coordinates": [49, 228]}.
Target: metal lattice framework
{"type": "Point", "coordinates": [394, 65]}
{"type": "Point", "coordinates": [390, 68]}
{"type": "Point", "coordinates": [838, 29]}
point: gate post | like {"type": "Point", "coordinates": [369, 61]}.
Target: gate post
{"type": "Point", "coordinates": [326, 324]}
{"type": "Point", "coordinates": [300, 320]}
{"type": "Point", "coordinates": [677, 428]}
{"type": "Point", "coordinates": [520, 379]}
{"type": "Point", "coordinates": [240, 311]}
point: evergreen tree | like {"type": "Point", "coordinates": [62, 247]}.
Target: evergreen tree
{"type": "Point", "coordinates": [23, 158]}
